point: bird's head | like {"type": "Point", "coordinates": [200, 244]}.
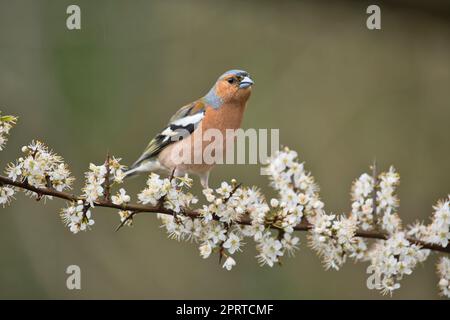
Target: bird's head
{"type": "Point", "coordinates": [232, 86]}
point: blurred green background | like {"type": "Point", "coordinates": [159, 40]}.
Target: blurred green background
{"type": "Point", "coordinates": [340, 94]}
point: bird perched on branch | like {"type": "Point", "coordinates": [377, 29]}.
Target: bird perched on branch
{"type": "Point", "coordinates": [189, 130]}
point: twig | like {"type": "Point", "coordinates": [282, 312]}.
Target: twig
{"type": "Point", "coordinates": [107, 180]}
{"type": "Point", "coordinates": [245, 220]}
{"type": "Point", "coordinates": [374, 192]}
{"type": "Point", "coordinates": [122, 223]}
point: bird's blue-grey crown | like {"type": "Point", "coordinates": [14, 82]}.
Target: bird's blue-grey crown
{"type": "Point", "coordinates": [245, 81]}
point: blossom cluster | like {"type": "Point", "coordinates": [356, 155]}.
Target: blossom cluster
{"type": "Point", "coordinates": [297, 189]}
{"type": "Point", "coordinates": [217, 227]}
{"type": "Point", "coordinates": [96, 178]}
{"type": "Point", "coordinates": [6, 195]}
{"type": "Point", "coordinates": [333, 238]}
{"type": "Point", "coordinates": [41, 168]}
{"type": "Point", "coordinates": [438, 231]}
{"type": "Point", "coordinates": [6, 123]}
{"type": "Point", "coordinates": [368, 189]}
{"type": "Point", "coordinates": [443, 268]}
{"type": "Point", "coordinates": [77, 216]}
{"type": "Point", "coordinates": [230, 204]}
{"type": "Point", "coordinates": [394, 258]}
{"type": "Point", "coordinates": [231, 214]}
{"type": "Point", "coordinates": [167, 191]}
{"type": "Point", "coordinates": [122, 198]}
{"type": "Point", "coordinates": [362, 201]}
{"type": "Point", "coordinates": [387, 200]}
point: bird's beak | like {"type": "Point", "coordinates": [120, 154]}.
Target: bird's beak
{"type": "Point", "coordinates": [245, 83]}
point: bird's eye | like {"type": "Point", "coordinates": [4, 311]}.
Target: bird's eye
{"type": "Point", "coordinates": [231, 80]}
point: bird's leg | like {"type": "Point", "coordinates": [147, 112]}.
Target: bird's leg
{"type": "Point", "coordinates": [204, 177]}
{"type": "Point", "coordinates": [176, 173]}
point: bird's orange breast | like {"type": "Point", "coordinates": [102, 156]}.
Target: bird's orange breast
{"type": "Point", "coordinates": [228, 116]}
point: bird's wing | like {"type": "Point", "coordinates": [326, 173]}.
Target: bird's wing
{"type": "Point", "coordinates": [180, 126]}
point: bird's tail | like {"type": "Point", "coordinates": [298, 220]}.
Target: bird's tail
{"type": "Point", "coordinates": [139, 167]}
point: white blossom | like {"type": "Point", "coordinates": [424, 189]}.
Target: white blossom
{"type": "Point", "coordinates": [217, 234]}
{"type": "Point", "coordinates": [274, 203]}
{"type": "Point", "coordinates": [121, 197]}
{"type": "Point", "coordinates": [77, 217]}
{"type": "Point", "coordinates": [270, 249]}
{"type": "Point", "coordinates": [290, 243]}
{"type": "Point", "coordinates": [14, 170]}
{"type": "Point", "coordinates": [6, 195]}
{"type": "Point", "coordinates": [229, 263]}
{"type": "Point", "coordinates": [116, 169]}
{"type": "Point", "coordinates": [224, 190]}
{"type": "Point", "coordinates": [233, 243]}
{"type": "Point", "coordinates": [205, 250]}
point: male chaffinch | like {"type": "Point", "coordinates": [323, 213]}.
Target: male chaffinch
{"type": "Point", "coordinates": [222, 108]}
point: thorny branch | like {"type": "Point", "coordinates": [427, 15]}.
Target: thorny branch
{"type": "Point", "coordinates": [233, 213]}
{"type": "Point", "coordinates": [139, 208]}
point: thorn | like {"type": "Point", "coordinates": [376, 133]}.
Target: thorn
{"type": "Point", "coordinates": [237, 186]}
{"type": "Point", "coordinates": [120, 225]}
{"type": "Point", "coordinates": [172, 175]}
{"type": "Point", "coordinates": [107, 183]}
{"type": "Point", "coordinates": [221, 254]}
{"type": "Point", "coordinates": [374, 192]}
{"type": "Point", "coordinates": [125, 221]}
